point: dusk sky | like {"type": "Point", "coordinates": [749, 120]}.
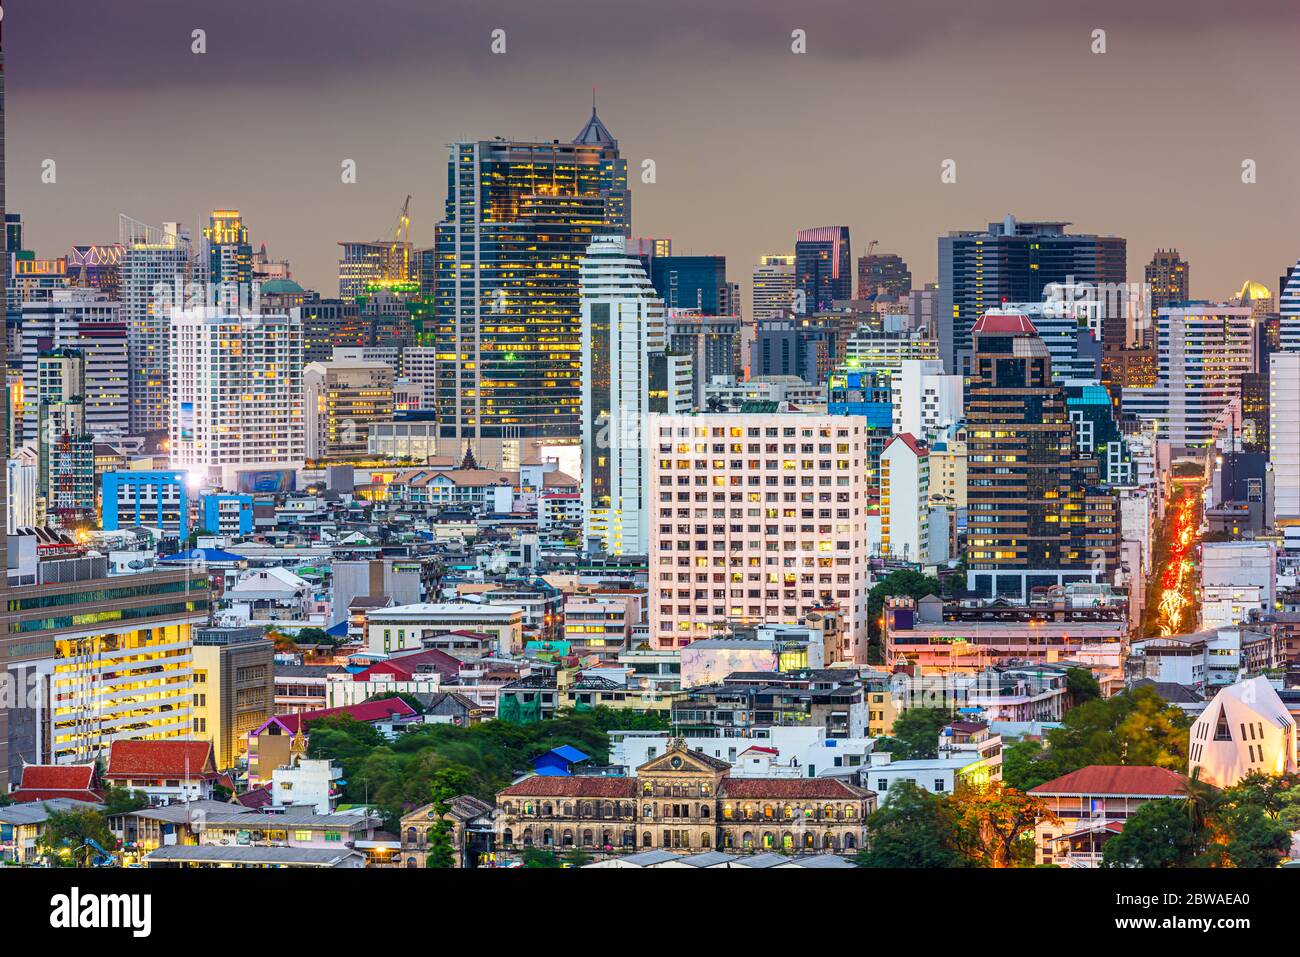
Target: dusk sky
{"type": "Point", "coordinates": [750, 140]}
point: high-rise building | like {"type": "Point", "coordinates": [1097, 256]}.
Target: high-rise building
{"type": "Point", "coordinates": [627, 373]}
{"type": "Point", "coordinates": [1036, 515]}
{"type": "Point", "coordinates": [692, 282]}
{"type": "Point", "coordinates": [234, 676]}
{"type": "Point", "coordinates": [85, 321]}
{"type": "Point", "coordinates": [97, 266]}
{"type": "Point", "coordinates": [904, 500]}
{"type": "Point", "coordinates": [366, 267]}
{"type": "Point", "coordinates": [1168, 279]}
{"type": "Point", "coordinates": [1204, 350]}
{"type": "Point", "coordinates": [330, 323]}
{"type": "Point", "coordinates": [823, 273]}
{"type": "Point", "coordinates": [342, 399]}
{"type": "Point", "coordinates": [230, 257]}
{"type": "Point", "coordinates": [236, 393]}
{"type": "Point", "coordinates": [711, 342]}
{"type": "Point", "coordinates": [519, 216]}
{"type": "Point", "coordinates": [1013, 262]}
{"type": "Point", "coordinates": [883, 272]}
{"type": "Point", "coordinates": [66, 451]}
{"type": "Point", "coordinates": [773, 287]}
{"type": "Point", "coordinates": [157, 268]}
{"type": "Point", "coordinates": [1284, 436]}
{"type": "Point", "coordinates": [757, 518]}
{"type": "Point", "coordinates": [1289, 307]}
{"type": "Point", "coordinates": [925, 401]}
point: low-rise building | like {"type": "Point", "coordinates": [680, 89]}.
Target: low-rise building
{"type": "Point", "coordinates": [164, 771]}
{"type": "Point", "coordinates": [1245, 729]}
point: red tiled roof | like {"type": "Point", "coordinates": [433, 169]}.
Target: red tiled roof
{"type": "Point", "coordinates": [27, 796]}
{"type": "Point", "coordinates": [1015, 323]}
{"type": "Point", "coordinates": [405, 667]}
{"type": "Point", "coordinates": [577, 786]}
{"type": "Point", "coordinates": [366, 711]}
{"type": "Point", "coordinates": [255, 798]}
{"type": "Point", "coordinates": [1117, 779]}
{"type": "Point", "coordinates": [907, 438]}
{"type": "Point", "coordinates": [816, 789]}
{"type": "Point", "coordinates": [160, 759]}
{"type": "Point", "coordinates": [59, 777]}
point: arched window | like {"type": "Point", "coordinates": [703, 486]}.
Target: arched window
{"type": "Point", "coordinates": [789, 812]}
{"type": "Point", "coordinates": [505, 807]}
{"type": "Point", "coordinates": [850, 842]}
{"type": "Point", "coordinates": [588, 838]}
{"type": "Point", "coordinates": [548, 837]}
{"type": "Point", "coordinates": [809, 841]}
{"type": "Point", "coordinates": [645, 839]}
{"type": "Point", "coordinates": [546, 810]}
{"type": "Point", "coordinates": [705, 841]}
{"type": "Point", "coordinates": [507, 837]}
{"type": "Point", "coordinates": [647, 811]}
{"type": "Point", "coordinates": [606, 838]}
{"type": "Point", "coordinates": [608, 809]}
{"type": "Point", "coordinates": [411, 835]}
{"type": "Point", "coordinates": [704, 811]}
{"type": "Point", "coordinates": [828, 841]}
{"type": "Point", "coordinates": [747, 839]}
{"type": "Point", "coordinates": [767, 811]}
{"type": "Point", "coordinates": [787, 840]}
{"type": "Point", "coordinates": [629, 839]}
{"type": "Point", "coordinates": [728, 839]}
{"type": "Point", "coordinates": [768, 840]}
{"type": "Point", "coordinates": [647, 788]}
{"type": "Point", "coordinates": [428, 835]}
{"type": "Point", "coordinates": [528, 837]}
{"type": "Point", "coordinates": [410, 862]}
{"type": "Point", "coordinates": [568, 838]}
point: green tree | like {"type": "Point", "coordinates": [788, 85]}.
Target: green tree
{"type": "Point", "coordinates": [577, 857]}
{"type": "Point", "coordinates": [121, 800]}
{"type": "Point", "coordinates": [1158, 834]}
{"type": "Point", "coordinates": [1134, 727]}
{"type": "Point", "coordinates": [1245, 836]}
{"type": "Point", "coordinates": [1004, 818]}
{"type": "Point", "coordinates": [1082, 685]}
{"type": "Point", "coordinates": [536, 857]}
{"type": "Point", "coordinates": [914, 828]}
{"type": "Point", "coordinates": [1022, 767]}
{"type": "Point", "coordinates": [64, 840]}
{"type": "Point", "coordinates": [902, 583]}
{"type": "Point", "coordinates": [916, 734]}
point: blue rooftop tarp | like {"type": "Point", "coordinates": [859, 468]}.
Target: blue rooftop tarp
{"type": "Point", "coordinates": [203, 555]}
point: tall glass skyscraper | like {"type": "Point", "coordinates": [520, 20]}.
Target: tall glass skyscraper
{"type": "Point", "coordinates": [822, 268]}
{"type": "Point", "coordinates": [1011, 262]}
{"type": "Point", "coordinates": [507, 323]}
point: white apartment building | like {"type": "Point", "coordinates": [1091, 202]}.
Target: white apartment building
{"type": "Point", "coordinates": [627, 373]}
{"type": "Point", "coordinates": [926, 402]}
{"type": "Point", "coordinates": [773, 288]}
{"type": "Point", "coordinates": [1284, 427]}
{"type": "Point", "coordinates": [869, 349]}
{"type": "Point", "coordinates": [156, 268]}
{"type": "Point", "coordinates": [1204, 350]}
{"type": "Point", "coordinates": [90, 323]}
{"type": "Point", "coordinates": [236, 387]}
{"type": "Point", "coordinates": [342, 400]}
{"type": "Point", "coordinates": [904, 500]}
{"type": "Point", "coordinates": [402, 628]}
{"type": "Point", "coordinates": [1237, 578]}
{"type": "Point", "coordinates": [757, 518]}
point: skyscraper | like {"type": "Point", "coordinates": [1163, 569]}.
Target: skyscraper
{"type": "Point", "coordinates": [883, 271]}
{"type": "Point", "coordinates": [66, 470]}
{"type": "Point", "coordinates": [822, 268]}
{"type": "Point", "coordinates": [236, 393]}
{"type": "Point", "coordinates": [1284, 436]}
{"type": "Point", "coordinates": [627, 373]}
{"type": "Point", "coordinates": [1289, 307]}
{"type": "Point", "coordinates": [1035, 514]}
{"type": "Point", "coordinates": [773, 287]}
{"type": "Point", "coordinates": [1013, 261]}
{"type": "Point", "coordinates": [230, 256]}
{"type": "Point", "coordinates": [519, 216]}
{"type": "Point", "coordinates": [156, 270]}
{"type": "Point", "coordinates": [691, 282]}
{"type": "Point", "coordinates": [1168, 279]}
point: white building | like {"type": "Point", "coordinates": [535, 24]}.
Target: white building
{"type": "Point", "coordinates": [307, 784]}
{"type": "Point", "coordinates": [1236, 579]}
{"type": "Point", "coordinates": [1204, 350]}
{"type": "Point", "coordinates": [401, 628]}
{"type": "Point", "coordinates": [774, 284]}
{"type": "Point", "coordinates": [1284, 423]}
{"type": "Point", "coordinates": [904, 499]}
{"type": "Point", "coordinates": [925, 401]}
{"type": "Point", "coordinates": [1289, 307]}
{"type": "Point", "coordinates": [236, 388]}
{"type": "Point", "coordinates": [157, 266]}
{"type": "Point", "coordinates": [757, 518]}
{"type": "Point", "coordinates": [627, 373]}
{"type": "Point", "coordinates": [1245, 729]}
{"type": "Point", "coordinates": [22, 490]}
{"type": "Point", "coordinates": [90, 323]}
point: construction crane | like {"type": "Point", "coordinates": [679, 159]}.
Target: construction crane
{"type": "Point", "coordinates": [871, 246]}
{"type": "Point", "coordinates": [402, 235]}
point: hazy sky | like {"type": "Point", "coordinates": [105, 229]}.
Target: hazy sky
{"type": "Point", "coordinates": [750, 140]}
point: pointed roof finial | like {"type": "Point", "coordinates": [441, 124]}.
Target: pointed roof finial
{"type": "Point", "coordinates": [595, 133]}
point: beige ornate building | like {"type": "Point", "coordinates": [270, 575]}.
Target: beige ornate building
{"type": "Point", "coordinates": [682, 801]}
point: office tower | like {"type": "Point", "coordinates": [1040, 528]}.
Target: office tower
{"type": "Point", "coordinates": [1289, 307]}
{"type": "Point", "coordinates": [822, 271]}
{"type": "Point", "coordinates": [1069, 330]}
{"type": "Point", "coordinates": [872, 350]}
{"type": "Point", "coordinates": [66, 451]}
{"type": "Point", "coordinates": [712, 343]}
{"type": "Point", "coordinates": [328, 324]}
{"type": "Point", "coordinates": [905, 500]}
{"type": "Point", "coordinates": [924, 400]}
{"type": "Point", "coordinates": [519, 217]}
{"type": "Point", "coordinates": [97, 266]}
{"type": "Point", "coordinates": [757, 518]}
{"type": "Point", "coordinates": [1035, 516]}
{"type": "Point", "coordinates": [1204, 349]}
{"type": "Point", "coordinates": [1096, 429]}
{"type": "Point", "coordinates": [1168, 279]}
{"type": "Point", "coordinates": [230, 258]}
{"type": "Point", "coordinates": [156, 271]}
{"type": "Point", "coordinates": [883, 272]}
{"type": "Point", "coordinates": [236, 394]}
{"type": "Point", "coordinates": [1255, 410]}
{"type": "Point", "coordinates": [342, 399]}
{"type": "Point", "coordinates": [1284, 436]}
{"type": "Point", "coordinates": [692, 282]}
{"type": "Point", "coordinates": [366, 267]}
{"type": "Point", "coordinates": [1012, 262]}
{"type": "Point", "coordinates": [773, 287]}
{"type": "Point", "coordinates": [627, 373]}
{"type": "Point", "coordinates": [85, 321]}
